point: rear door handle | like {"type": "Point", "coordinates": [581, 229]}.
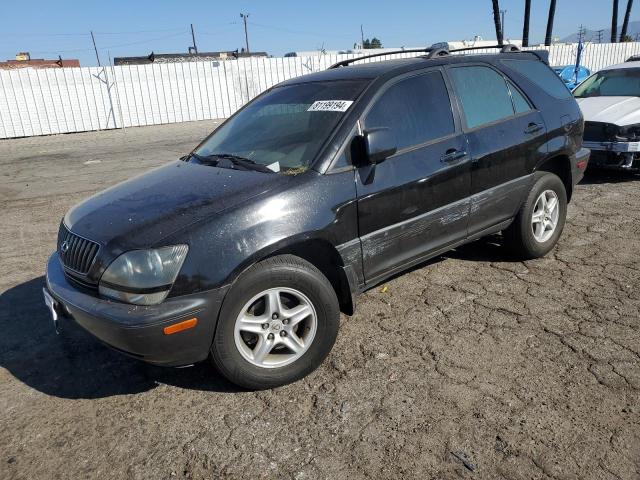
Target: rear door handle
{"type": "Point", "coordinates": [452, 155]}
{"type": "Point", "coordinates": [533, 128]}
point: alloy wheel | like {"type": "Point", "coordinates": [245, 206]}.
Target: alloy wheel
{"type": "Point", "coordinates": [275, 328]}
{"type": "Point", "coordinates": [546, 212]}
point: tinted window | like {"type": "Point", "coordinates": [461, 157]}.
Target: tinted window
{"type": "Point", "coordinates": [520, 104]}
{"type": "Point", "coordinates": [483, 94]}
{"type": "Point", "coordinates": [541, 75]}
{"type": "Point", "coordinates": [418, 109]}
{"type": "Point", "coordinates": [624, 82]}
{"type": "Point", "coordinates": [284, 128]}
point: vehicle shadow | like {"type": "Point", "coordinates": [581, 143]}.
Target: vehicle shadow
{"type": "Point", "coordinates": [74, 364]}
{"type": "Point", "coordinates": [600, 176]}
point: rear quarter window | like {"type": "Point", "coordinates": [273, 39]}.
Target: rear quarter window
{"type": "Point", "coordinates": [541, 75]}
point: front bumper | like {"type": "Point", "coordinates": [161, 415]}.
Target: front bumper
{"type": "Point", "coordinates": [138, 330]}
{"type": "Point", "coordinates": [615, 160]}
{"type": "Point", "coordinates": [618, 147]}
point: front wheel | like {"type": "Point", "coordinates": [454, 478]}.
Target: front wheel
{"type": "Point", "coordinates": [539, 222]}
{"type": "Point", "coordinates": [277, 324]}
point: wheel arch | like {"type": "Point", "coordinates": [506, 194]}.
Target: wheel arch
{"type": "Point", "coordinates": [319, 252]}
{"type": "Point", "coordinates": [559, 165]}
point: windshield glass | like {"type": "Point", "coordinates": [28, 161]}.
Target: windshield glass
{"type": "Point", "coordinates": [611, 83]}
{"type": "Point", "coordinates": [283, 129]}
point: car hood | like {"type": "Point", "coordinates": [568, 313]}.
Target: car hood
{"type": "Point", "coordinates": [140, 212]}
{"type": "Point", "coordinates": [617, 110]}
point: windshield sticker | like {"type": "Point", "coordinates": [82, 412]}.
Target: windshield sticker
{"type": "Point", "coordinates": [330, 106]}
{"type": "Point", "coordinates": [274, 167]}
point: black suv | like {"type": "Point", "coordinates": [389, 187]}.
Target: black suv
{"type": "Point", "coordinates": [247, 249]}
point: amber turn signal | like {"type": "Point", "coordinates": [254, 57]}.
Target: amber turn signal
{"type": "Point", "coordinates": [180, 326]}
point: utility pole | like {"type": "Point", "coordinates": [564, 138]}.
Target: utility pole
{"type": "Point", "coordinates": [581, 33]}
{"type": "Point", "coordinates": [600, 33]}
{"type": "Point", "coordinates": [193, 36]}
{"type": "Point", "coordinates": [502, 14]}
{"type": "Point", "coordinates": [95, 48]}
{"type": "Point", "coordinates": [361, 37]}
{"type": "Point", "coordinates": [246, 35]}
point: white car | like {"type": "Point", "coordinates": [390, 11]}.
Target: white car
{"type": "Point", "coordinates": [610, 103]}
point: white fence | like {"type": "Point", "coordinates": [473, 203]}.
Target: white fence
{"type": "Point", "coordinates": [63, 100]}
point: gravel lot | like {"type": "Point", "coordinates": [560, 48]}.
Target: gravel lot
{"type": "Point", "coordinates": [520, 370]}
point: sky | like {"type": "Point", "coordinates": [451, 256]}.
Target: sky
{"type": "Point", "coordinates": [48, 28]}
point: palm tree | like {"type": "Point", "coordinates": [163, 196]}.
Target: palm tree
{"type": "Point", "coordinates": [625, 23]}
{"type": "Point", "coordinates": [525, 29]}
{"type": "Point", "coordinates": [614, 22]}
{"type": "Point", "coordinates": [496, 20]}
{"type": "Point", "coordinates": [552, 13]}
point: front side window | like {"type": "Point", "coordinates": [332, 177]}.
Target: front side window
{"type": "Point", "coordinates": [624, 82]}
{"type": "Point", "coordinates": [417, 109]}
{"type": "Point", "coordinates": [283, 130]}
{"type": "Point", "coordinates": [483, 93]}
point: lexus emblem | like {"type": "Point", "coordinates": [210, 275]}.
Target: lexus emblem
{"type": "Point", "coordinates": [64, 246]}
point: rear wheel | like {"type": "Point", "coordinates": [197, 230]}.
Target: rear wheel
{"type": "Point", "coordinates": [540, 221]}
{"type": "Point", "coordinates": [277, 324]}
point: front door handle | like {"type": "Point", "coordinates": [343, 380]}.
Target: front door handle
{"type": "Point", "coordinates": [533, 128]}
{"type": "Point", "coordinates": [452, 155]}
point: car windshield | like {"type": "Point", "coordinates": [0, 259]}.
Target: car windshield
{"type": "Point", "coordinates": [624, 82]}
{"type": "Point", "coordinates": [282, 130]}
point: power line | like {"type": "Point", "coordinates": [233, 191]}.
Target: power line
{"type": "Point", "coordinates": [108, 47]}
{"type": "Point", "coordinates": [141, 31]}
{"type": "Point", "coordinates": [69, 34]}
{"type": "Point", "coordinates": [299, 32]}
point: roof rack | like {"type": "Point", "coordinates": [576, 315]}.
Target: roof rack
{"type": "Point", "coordinates": [344, 63]}
{"type": "Point", "coordinates": [503, 48]}
{"type": "Point", "coordinates": [435, 51]}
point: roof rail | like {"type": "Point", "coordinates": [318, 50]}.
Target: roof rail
{"type": "Point", "coordinates": [431, 52]}
{"type": "Point", "coordinates": [633, 58]}
{"type": "Point", "coordinates": [344, 63]}
{"type": "Point", "coordinates": [503, 48]}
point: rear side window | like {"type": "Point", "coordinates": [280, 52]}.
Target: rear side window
{"type": "Point", "coordinates": [483, 93]}
{"type": "Point", "coordinates": [520, 104]}
{"type": "Point", "coordinates": [418, 110]}
{"type": "Point", "coordinates": [541, 75]}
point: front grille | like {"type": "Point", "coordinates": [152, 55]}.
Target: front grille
{"type": "Point", "coordinates": [77, 253]}
{"type": "Point", "coordinates": [600, 132]}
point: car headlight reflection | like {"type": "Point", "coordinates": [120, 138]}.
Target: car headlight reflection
{"type": "Point", "coordinates": [143, 277]}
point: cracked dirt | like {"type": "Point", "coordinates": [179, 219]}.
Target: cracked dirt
{"type": "Point", "coordinates": [471, 366]}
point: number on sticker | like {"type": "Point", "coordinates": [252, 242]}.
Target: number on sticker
{"type": "Point", "coordinates": [330, 106]}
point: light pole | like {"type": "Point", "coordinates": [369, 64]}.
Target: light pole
{"type": "Point", "coordinates": [244, 17]}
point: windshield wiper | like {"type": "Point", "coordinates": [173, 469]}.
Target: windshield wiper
{"type": "Point", "coordinates": [236, 160]}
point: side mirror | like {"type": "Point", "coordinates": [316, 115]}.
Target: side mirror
{"type": "Point", "coordinates": [379, 144]}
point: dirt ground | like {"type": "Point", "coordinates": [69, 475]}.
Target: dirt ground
{"type": "Point", "coordinates": [472, 366]}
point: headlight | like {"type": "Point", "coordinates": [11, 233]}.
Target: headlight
{"type": "Point", "coordinates": [143, 277]}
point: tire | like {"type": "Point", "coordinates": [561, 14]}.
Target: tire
{"type": "Point", "coordinates": [283, 285]}
{"type": "Point", "coordinates": [520, 237]}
